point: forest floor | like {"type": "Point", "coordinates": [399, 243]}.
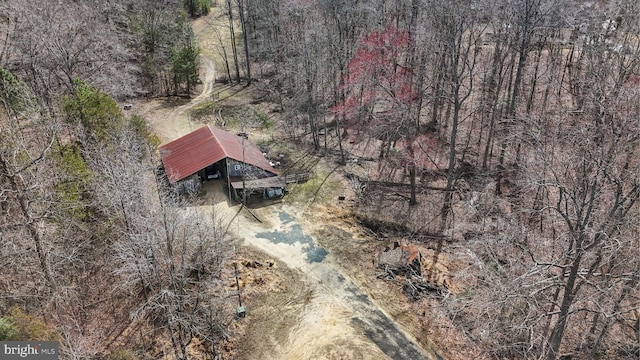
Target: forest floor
{"type": "Point", "coordinates": [306, 269]}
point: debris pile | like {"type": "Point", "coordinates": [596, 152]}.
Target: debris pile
{"type": "Point", "coordinates": [419, 271]}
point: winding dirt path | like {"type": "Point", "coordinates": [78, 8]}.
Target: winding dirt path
{"type": "Point", "coordinates": [171, 122]}
{"type": "Point", "coordinates": [183, 111]}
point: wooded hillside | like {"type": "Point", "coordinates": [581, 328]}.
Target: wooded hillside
{"type": "Point", "coordinates": [508, 129]}
{"type": "Point", "coordinates": [95, 245]}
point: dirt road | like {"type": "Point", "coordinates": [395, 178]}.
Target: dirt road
{"type": "Point", "coordinates": [340, 321]}
{"type": "Point", "coordinates": [170, 121]}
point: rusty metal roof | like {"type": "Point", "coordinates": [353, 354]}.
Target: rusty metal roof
{"type": "Point", "coordinates": [205, 146]}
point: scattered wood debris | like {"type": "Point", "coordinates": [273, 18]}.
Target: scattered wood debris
{"type": "Point", "coordinates": [419, 271]}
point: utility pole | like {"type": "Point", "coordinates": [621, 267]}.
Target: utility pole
{"type": "Point", "coordinates": [226, 162]}
{"type": "Point", "coordinates": [244, 188]}
{"type": "Point", "coordinates": [240, 311]}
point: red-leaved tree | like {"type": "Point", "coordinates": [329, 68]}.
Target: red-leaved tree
{"type": "Point", "coordinates": [378, 85]}
{"type": "Point", "coordinates": [382, 95]}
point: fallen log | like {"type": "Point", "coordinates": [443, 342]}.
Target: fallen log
{"type": "Point", "coordinates": [353, 176]}
{"type": "Point", "coordinates": [404, 185]}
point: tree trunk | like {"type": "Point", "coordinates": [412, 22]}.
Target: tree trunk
{"type": "Point", "coordinates": [628, 288]}
{"type": "Point", "coordinates": [448, 194]}
{"type": "Point", "coordinates": [225, 57]}
{"type": "Point", "coordinates": [412, 178]}
{"type": "Point", "coordinates": [29, 222]}
{"type": "Point", "coordinates": [245, 37]}
{"type": "Point", "coordinates": [567, 300]}
{"type": "Point", "coordinates": [232, 34]}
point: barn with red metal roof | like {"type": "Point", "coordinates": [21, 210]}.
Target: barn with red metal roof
{"type": "Point", "coordinates": [209, 149]}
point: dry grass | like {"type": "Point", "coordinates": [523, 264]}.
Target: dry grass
{"type": "Point", "coordinates": [273, 296]}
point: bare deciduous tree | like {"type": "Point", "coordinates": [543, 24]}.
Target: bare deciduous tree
{"type": "Point", "coordinates": [167, 253]}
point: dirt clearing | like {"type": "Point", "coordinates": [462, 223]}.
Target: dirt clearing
{"type": "Point", "coordinates": [325, 315]}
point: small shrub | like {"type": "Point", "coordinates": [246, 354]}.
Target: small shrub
{"type": "Point", "coordinates": [198, 8]}
{"type": "Point", "coordinates": [141, 128]}
{"type": "Point", "coordinates": [468, 293]}
{"type": "Point", "coordinates": [264, 119]}
{"type": "Point", "coordinates": [71, 188]}
{"type": "Point", "coordinates": [28, 327]}
{"type": "Point", "coordinates": [494, 267]}
{"type": "Point", "coordinates": [13, 91]}
{"type": "Point", "coordinates": [121, 354]}
{"type": "Point", "coordinates": [7, 329]}
{"type": "Point", "coordinates": [95, 110]}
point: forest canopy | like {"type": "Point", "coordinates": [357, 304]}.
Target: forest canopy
{"type": "Point", "coordinates": [507, 129]}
